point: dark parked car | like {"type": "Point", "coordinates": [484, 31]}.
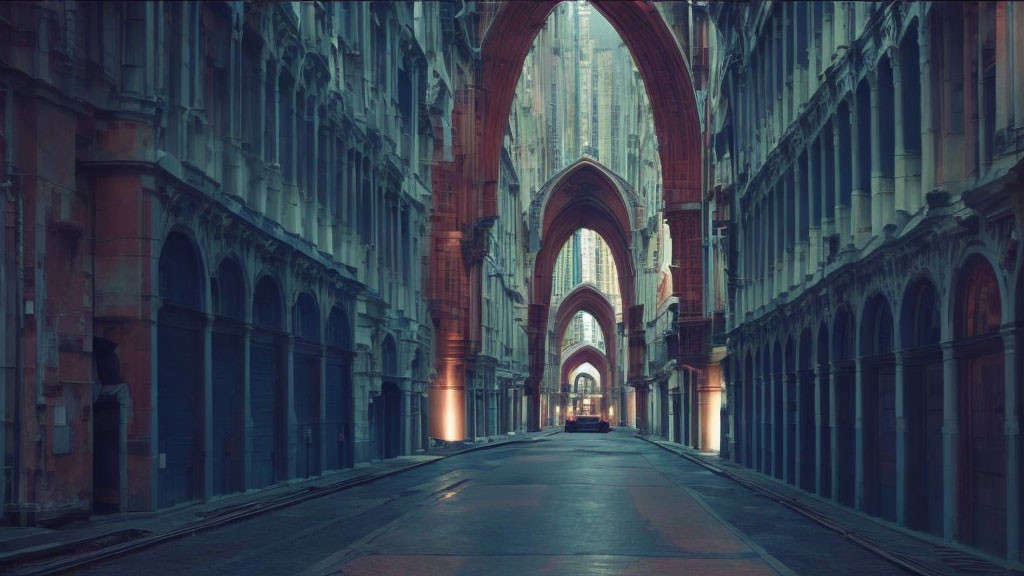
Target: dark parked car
{"type": "Point", "coordinates": [587, 424]}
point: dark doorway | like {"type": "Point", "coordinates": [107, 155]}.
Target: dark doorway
{"type": "Point", "coordinates": [179, 374]}
{"type": "Point", "coordinates": [228, 458]}
{"type": "Point", "coordinates": [106, 456]}
{"type": "Point", "coordinates": [266, 392]}
{"type": "Point", "coordinates": [982, 397]}
{"type": "Point", "coordinates": [338, 393]}
{"type": "Point", "coordinates": [306, 385]}
{"type": "Point", "coordinates": [392, 419]}
{"type": "Point", "coordinates": [922, 407]}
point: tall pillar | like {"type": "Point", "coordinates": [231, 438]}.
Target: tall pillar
{"type": "Point", "coordinates": [950, 434]}
{"type": "Point", "coordinates": [407, 420]}
{"type": "Point", "coordinates": [834, 435]}
{"type": "Point", "coordinates": [827, 34]}
{"type": "Point", "coordinates": [814, 211]}
{"type": "Point", "coordinates": [841, 40]}
{"type": "Point", "coordinates": [760, 436]}
{"type": "Point", "coordinates": [799, 207]}
{"type": "Point", "coordinates": [247, 406]}
{"type": "Point", "coordinates": [289, 408]}
{"type": "Point", "coordinates": [842, 213]}
{"type": "Point", "coordinates": [927, 125]}
{"type": "Point", "coordinates": [1004, 41]}
{"type": "Point", "coordinates": [816, 382]}
{"type": "Point", "coordinates": [827, 218]}
{"type": "Point", "coordinates": [901, 443]}
{"type": "Point", "coordinates": [1016, 57]}
{"type": "Point", "coordinates": [882, 195]}
{"type": "Point", "coordinates": [860, 209]}
{"type": "Point", "coordinates": [786, 431]}
{"type": "Point", "coordinates": [773, 398]}
{"type": "Point", "coordinates": [448, 391]}
{"type": "Point", "coordinates": [858, 432]}
{"type": "Point", "coordinates": [1012, 428]}
{"type": "Point", "coordinates": [326, 441]}
{"type": "Point", "coordinates": [207, 429]}
{"type": "Point", "coordinates": [902, 162]}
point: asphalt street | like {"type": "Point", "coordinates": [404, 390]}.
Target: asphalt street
{"type": "Point", "coordinates": [591, 504]}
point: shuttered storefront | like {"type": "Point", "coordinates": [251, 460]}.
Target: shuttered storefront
{"type": "Point", "coordinates": [337, 412]}
{"type": "Point", "coordinates": [228, 445]}
{"type": "Point", "coordinates": [307, 409]}
{"type": "Point", "coordinates": [179, 377]}
{"type": "Point", "coordinates": [264, 398]}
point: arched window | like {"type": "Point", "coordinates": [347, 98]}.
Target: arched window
{"type": "Point", "coordinates": [266, 304]}
{"type": "Point", "coordinates": [307, 318]}
{"type": "Point", "coordinates": [980, 306]}
{"type": "Point", "coordinates": [179, 272]}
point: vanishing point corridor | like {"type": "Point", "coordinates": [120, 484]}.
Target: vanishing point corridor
{"type": "Point", "coordinates": [331, 287]}
{"type": "Point", "coordinates": [574, 504]}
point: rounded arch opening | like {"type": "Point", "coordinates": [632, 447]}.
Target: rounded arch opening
{"type": "Point", "coordinates": [180, 272]}
{"type": "Point", "coordinates": [920, 331]}
{"type": "Point", "coordinates": [267, 304]}
{"type": "Point", "coordinates": [878, 398]}
{"type": "Point", "coordinates": [981, 406]}
{"type": "Point", "coordinates": [179, 357]}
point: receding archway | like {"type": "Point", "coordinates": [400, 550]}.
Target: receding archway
{"type": "Point", "coordinates": [465, 189]}
{"type": "Point", "coordinates": [585, 196]}
{"type": "Point", "coordinates": [586, 354]}
{"type": "Point", "coordinates": [586, 298]}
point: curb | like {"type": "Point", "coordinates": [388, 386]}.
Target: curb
{"type": "Point", "coordinates": [805, 511]}
{"type": "Point", "coordinates": [257, 508]}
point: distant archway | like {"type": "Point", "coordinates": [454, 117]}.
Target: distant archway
{"type": "Point", "coordinates": [583, 354]}
{"type": "Point", "coordinates": [465, 193]}
{"type": "Point", "coordinates": [586, 196]}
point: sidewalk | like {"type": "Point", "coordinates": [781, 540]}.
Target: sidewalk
{"type": "Point", "coordinates": [919, 553]}
{"type": "Point", "coordinates": [22, 547]}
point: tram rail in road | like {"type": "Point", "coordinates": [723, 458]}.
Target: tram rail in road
{"type": "Point", "coordinates": [121, 543]}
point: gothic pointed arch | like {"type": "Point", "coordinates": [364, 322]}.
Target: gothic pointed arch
{"type": "Point", "coordinates": [465, 179]}
{"type": "Point", "coordinates": [582, 354]}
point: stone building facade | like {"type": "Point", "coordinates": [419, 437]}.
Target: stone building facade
{"type": "Point", "coordinates": [871, 155]}
{"type": "Point", "coordinates": [215, 244]}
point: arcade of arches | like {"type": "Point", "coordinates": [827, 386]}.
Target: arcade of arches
{"type": "Point", "coordinates": [783, 233]}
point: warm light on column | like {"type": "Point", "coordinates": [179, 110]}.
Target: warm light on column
{"type": "Point", "coordinates": [447, 404]}
{"type": "Point", "coordinates": [711, 409]}
{"type": "Point", "coordinates": [611, 412]}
